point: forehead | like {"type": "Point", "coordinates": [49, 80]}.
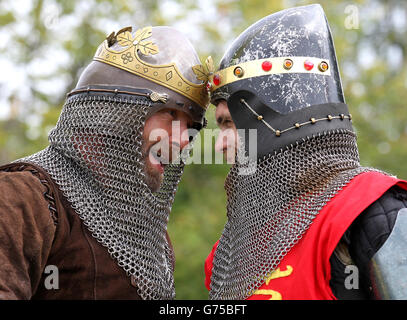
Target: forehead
{"type": "Point", "coordinates": [165, 109]}
{"type": "Point", "coordinates": [222, 110]}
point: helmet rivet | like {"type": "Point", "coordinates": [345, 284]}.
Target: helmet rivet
{"type": "Point", "coordinates": [278, 133]}
{"type": "Point", "coordinates": [288, 64]}
{"type": "Point", "coordinates": [342, 116]}
{"type": "Point", "coordinates": [329, 117]}
{"type": "Point", "coordinates": [323, 66]}
{"type": "Point", "coordinates": [260, 117]}
{"type": "Point", "coordinates": [297, 125]}
{"type": "Point", "coordinates": [313, 120]}
{"type": "Point", "coordinates": [238, 72]}
{"type": "Point", "coordinates": [266, 65]}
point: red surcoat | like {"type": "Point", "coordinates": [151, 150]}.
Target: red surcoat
{"type": "Point", "coordinates": [305, 272]}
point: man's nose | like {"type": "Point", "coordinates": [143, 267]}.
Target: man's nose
{"type": "Point", "coordinates": [180, 134]}
{"type": "Point", "coordinates": [221, 143]}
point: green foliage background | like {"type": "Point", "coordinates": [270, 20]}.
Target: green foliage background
{"type": "Point", "coordinates": [51, 41]}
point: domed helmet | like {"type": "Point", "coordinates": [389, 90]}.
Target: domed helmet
{"type": "Point", "coordinates": [160, 60]}
{"type": "Point", "coordinates": [281, 77]}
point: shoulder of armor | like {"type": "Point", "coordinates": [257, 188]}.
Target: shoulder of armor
{"type": "Point", "coordinates": [387, 268]}
{"type": "Point", "coordinates": [371, 230]}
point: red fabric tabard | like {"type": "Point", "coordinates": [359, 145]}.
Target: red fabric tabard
{"type": "Point", "coordinates": [305, 272]}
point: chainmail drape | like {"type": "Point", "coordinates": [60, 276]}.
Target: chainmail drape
{"type": "Point", "coordinates": [95, 157]}
{"type": "Point", "coordinates": [269, 211]}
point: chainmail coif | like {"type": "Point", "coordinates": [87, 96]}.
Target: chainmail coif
{"type": "Point", "coordinates": [270, 210]}
{"type": "Point", "coordinates": [95, 157]}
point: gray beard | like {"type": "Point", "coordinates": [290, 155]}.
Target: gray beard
{"type": "Point", "coordinates": [152, 180]}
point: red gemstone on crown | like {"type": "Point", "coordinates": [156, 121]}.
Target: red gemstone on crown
{"type": "Point", "coordinates": [216, 79]}
{"type": "Point", "coordinates": [266, 65]}
{"type": "Point", "coordinates": [308, 65]}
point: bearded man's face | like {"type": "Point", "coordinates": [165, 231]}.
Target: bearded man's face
{"type": "Point", "coordinates": [165, 135]}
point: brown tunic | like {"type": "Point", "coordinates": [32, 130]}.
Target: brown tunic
{"type": "Point", "coordinates": [39, 228]}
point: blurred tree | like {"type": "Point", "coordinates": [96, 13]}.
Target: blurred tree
{"type": "Point", "coordinates": [45, 44]}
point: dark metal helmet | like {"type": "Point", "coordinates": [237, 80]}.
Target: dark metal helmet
{"type": "Point", "coordinates": [281, 77]}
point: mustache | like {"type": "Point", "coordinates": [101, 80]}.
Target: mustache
{"type": "Point", "coordinates": [164, 153]}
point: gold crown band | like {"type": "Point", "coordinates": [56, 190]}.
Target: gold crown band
{"type": "Point", "coordinates": [263, 67]}
{"type": "Point", "coordinates": [166, 75]}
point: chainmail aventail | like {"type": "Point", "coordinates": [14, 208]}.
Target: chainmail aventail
{"type": "Point", "coordinates": [270, 210]}
{"type": "Point", "coordinates": [95, 157]}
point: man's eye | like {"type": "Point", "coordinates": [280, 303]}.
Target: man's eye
{"type": "Point", "coordinates": [172, 113]}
